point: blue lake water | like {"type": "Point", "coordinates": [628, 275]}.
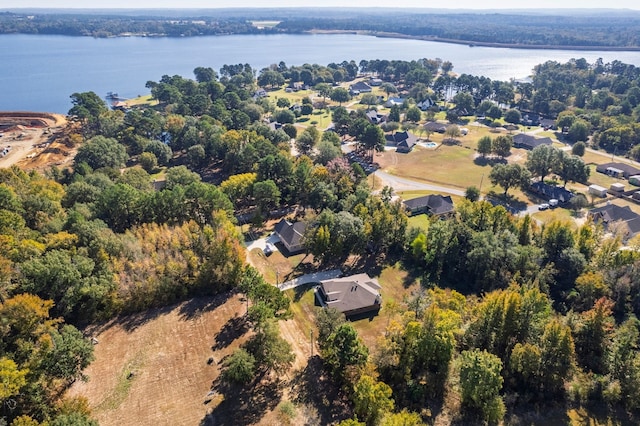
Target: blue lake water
{"type": "Point", "coordinates": [39, 72]}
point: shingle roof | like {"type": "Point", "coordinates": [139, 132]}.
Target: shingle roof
{"type": "Point", "coordinates": [435, 203]}
{"type": "Point", "coordinates": [290, 234]}
{"type": "Point", "coordinates": [527, 141]}
{"type": "Point", "coordinates": [351, 293]}
{"type": "Point", "coordinates": [626, 168]}
{"type": "Point", "coordinates": [551, 191]}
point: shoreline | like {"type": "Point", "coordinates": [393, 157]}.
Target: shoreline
{"type": "Point", "coordinates": [472, 43]}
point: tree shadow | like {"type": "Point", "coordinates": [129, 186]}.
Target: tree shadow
{"type": "Point", "coordinates": [488, 161]}
{"type": "Point", "coordinates": [243, 405]}
{"type": "Point", "coordinates": [232, 330]}
{"type": "Point", "coordinates": [313, 387]}
{"type": "Point", "coordinates": [197, 306]}
{"type": "Point", "coordinates": [299, 291]}
{"type": "Point", "coordinates": [133, 321]}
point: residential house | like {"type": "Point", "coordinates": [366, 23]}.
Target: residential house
{"type": "Point", "coordinates": [522, 140]}
{"type": "Point", "coordinates": [617, 170]}
{"type": "Point", "coordinates": [394, 102]}
{"type": "Point", "coordinates": [551, 192]}
{"type": "Point", "coordinates": [359, 87]}
{"type": "Point", "coordinates": [291, 235]}
{"type": "Point", "coordinates": [375, 82]}
{"type": "Point", "coordinates": [434, 126]}
{"type": "Point", "coordinates": [425, 105]}
{"type": "Point", "coordinates": [403, 141]}
{"type": "Point", "coordinates": [352, 295]}
{"type": "Point", "coordinates": [548, 123]}
{"type": "Point", "coordinates": [375, 117]}
{"type": "Point", "coordinates": [436, 205]}
{"type": "Point", "coordinates": [611, 214]}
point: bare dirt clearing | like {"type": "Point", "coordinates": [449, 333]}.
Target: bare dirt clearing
{"type": "Point", "coordinates": [158, 368]}
{"type": "Point", "coordinates": [36, 140]}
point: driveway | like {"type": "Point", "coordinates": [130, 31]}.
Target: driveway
{"type": "Point", "coordinates": [316, 277]}
{"type": "Point", "coordinates": [402, 184]}
{"type": "Point", "coordinates": [261, 243]}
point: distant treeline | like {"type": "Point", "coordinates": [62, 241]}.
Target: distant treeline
{"type": "Point", "coordinates": [612, 30]}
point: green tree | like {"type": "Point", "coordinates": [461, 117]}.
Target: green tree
{"type": "Point", "coordinates": [485, 146]}
{"type": "Point", "coordinates": [327, 151]}
{"type": "Point", "coordinates": [340, 95]}
{"type": "Point", "coordinates": [571, 168]}
{"type": "Point", "coordinates": [403, 418]}
{"type": "Point", "coordinates": [557, 351]}
{"type": "Point", "coordinates": [269, 349]}
{"type": "Point", "coordinates": [512, 116]}
{"type": "Point", "coordinates": [413, 114]}
{"type": "Point", "coordinates": [502, 145]}
{"type": "Point", "coordinates": [324, 90]}
{"type": "Point", "coordinates": [389, 88]}
{"type": "Point", "coordinates": [480, 384]}
{"type": "Point", "coordinates": [372, 399]}
{"type": "Point", "coordinates": [70, 353]}
{"type": "Point", "coordinates": [369, 99]}
{"type": "Point", "coordinates": [100, 152]}
{"type": "Point", "coordinates": [509, 176]}
{"type": "Point", "coordinates": [266, 194]}
{"type": "Point", "coordinates": [307, 140]}
{"type": "Point", "coordinates": [148, 161]}
{"type": "Point", "coordinates": [239, 367]}
{"type": "Point", "coordinates": [373, 139]}
{"type": "Point", "coordinates": [579, 131]}
{"type": "Point", "coordinates": [472, 193]}
{"type": "Point", "coordinates": [578, 149]}
{"type": "Point", "coordinates": [464, 101]}
{"type": "Point", "coordinates": [161, 150]}
{"type": "Point", "coordinates": [345, 353]}
{"type": "Point", "coordinates": [541, 161]}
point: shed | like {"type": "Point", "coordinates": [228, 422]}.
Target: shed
{"type": "Point", "coordinates": [634, 180]}
{"type": "Point", "coordinates": [617, 187]}
{"type": "Point", "coordinates": [598, 190]}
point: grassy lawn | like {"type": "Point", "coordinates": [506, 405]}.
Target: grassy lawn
{"type": "Point", "coordinates": [145, 100]}
{"type": "Point", "coordinates": [446, 165]}
{"type": "Point", "coordinates": [276, 268]}
{"type": "Point", "coordinates": [322, 117]}
{"type": "Point", "coordinates": [551, 215]}
{"type": "Point", "coordinates": [420, 221]}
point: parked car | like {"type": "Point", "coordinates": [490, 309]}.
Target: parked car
{"type": "Point", "coordinates": [268, 249]}
{"type": "Point", "coordinates": [543, 206]}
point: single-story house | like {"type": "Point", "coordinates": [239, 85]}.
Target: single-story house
{"type": "Point", "coordinates": [548, 123]}
{"type": "Point", "coordinates": [437, 205]}
{"type": "Point", "coordinates": [352, 295]}
{"type": "Point", "coordinates": [360, 87]}
{"type": "Point", "coordinates": [530, 120]}
{"type": "Point", "coordinates": [525, 141]}
{"type": "Point", "coordinates": [552, 192]}
{"type": "Point", "coordinates": [403, 141]}
{"type": "Point", "coordinates": [618, 170]}
{"type": "Point", "coordinates": [611, 214]}
{"type": "Point", "coordinates": [394, 102]}
{"type": "Point", "coordinates": [597, 190]}
{"type": "Point", "coordinates": [291, 235]}
{"type": "Point", "coordinates": [375, 117]}
{"type": "Point", "coordinates": [375, 82]}
{"type": "Point", "coordinates": [434, 126]}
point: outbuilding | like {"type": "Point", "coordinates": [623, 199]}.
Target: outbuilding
{"type": "Point", "coordinates": [598, 190]}
{"type": "Point", "coordinates": [617, 187]}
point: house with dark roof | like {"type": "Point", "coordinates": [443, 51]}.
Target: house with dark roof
{"type": "Point", "coordinates": [403, 141]}
{"type": "Point", "coordinates": [352, 295]}
{"type": "Point", "coordinates": [548, 123]}
{"type": "Point", "coordinates": [550, 192]}
{"type": "Point", "coordinates": [435, 204]}
{"type": "Point", "coordinates": [617, 170]}
{"type": "Point", "coordinates": [359, 87]}
{"type": "Point", "coordinates": [375, 117]}
{"type": "Point", "coordinates": [522, 140]}
{"type": "Point", "coordinates": [375, 82]}
{"type": "Point", "coordinates": [291, 235]}
{"type": "Point", "coordinates": [425, 105]}
{"type": "Point", "coordinates": [611, 214]}
{"type": "Point", "coordinates": [434, 126]}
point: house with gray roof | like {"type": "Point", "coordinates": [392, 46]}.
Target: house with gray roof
{"type": "Point", "coordinates": [359, 87]}
{"type": "Point", "coordinates": [617, 170]}
{"type": "Point", "coordinates": [611, 214]}
{"type": "Point", "coordinates": [291, 235]}
{"type": "Point", "coordinates": [352, 295]}
{"type": "Point", "coordinates": [435, 204]}
{"type": "Point", "coordinates": [522, 140]}
{"type": "Point", "coordinates": [403, 141]}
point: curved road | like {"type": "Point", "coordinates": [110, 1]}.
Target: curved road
{"type": "Point", "coordinates": [403, 184]}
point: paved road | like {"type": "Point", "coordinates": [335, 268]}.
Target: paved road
{"type": "Point", "coordinates": [403, 184]}
{"type": "Point", "coordinates": [310, 278]}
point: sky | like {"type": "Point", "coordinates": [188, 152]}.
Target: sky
{"type": "Point", "coordinates": [210, 4]}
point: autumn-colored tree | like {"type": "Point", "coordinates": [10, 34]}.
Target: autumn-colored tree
{"type": "Point", "coordinates": [372, 399]}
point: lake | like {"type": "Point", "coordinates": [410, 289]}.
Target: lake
{"type": "Point", "coordinates": [39, 72]}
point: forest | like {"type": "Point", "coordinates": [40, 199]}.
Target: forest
{"type": "Point", "coordinates": [606, 29]}
{"type": "Point", "coordinates": [513, 314]}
